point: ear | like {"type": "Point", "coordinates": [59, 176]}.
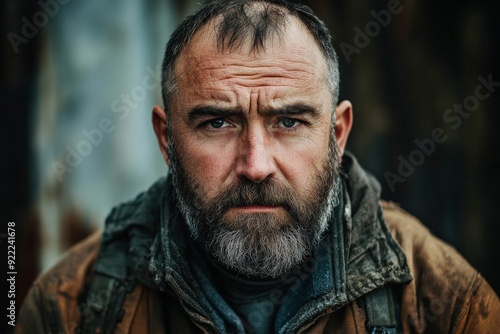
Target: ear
{"type": "Point", "coordinates": [159, 118]}
{"type": "Point", "coordinates": [343, 123]}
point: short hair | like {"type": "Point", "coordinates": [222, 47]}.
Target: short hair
{"type": "Point", "coordinates": [238, 24]}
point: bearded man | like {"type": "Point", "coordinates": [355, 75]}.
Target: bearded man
{"type": "Point", "coordinates": [264, 223]}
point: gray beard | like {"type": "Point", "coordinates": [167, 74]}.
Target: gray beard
{"type": "Point", "coordinates": [259, 244]}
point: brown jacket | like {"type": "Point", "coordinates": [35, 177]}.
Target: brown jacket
{"type": "Point", "coordinates": [446, 294]}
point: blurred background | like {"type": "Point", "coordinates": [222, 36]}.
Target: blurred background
{"type": "Point", "coordinates": [80, 79]}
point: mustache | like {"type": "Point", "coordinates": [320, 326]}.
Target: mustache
{"type": "Point", "coordinates": [269, 192]}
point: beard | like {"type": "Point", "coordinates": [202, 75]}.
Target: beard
{"type": "Point", "coordinates": [259, 244]}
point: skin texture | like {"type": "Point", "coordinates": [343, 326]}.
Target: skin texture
{"type": "Point", "coordinates": [254, 138]}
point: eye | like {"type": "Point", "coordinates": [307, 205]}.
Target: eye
{"type": "Point", "coordinates": [217, 123]}
{"type": "Point", "coordinates": [288, 122]}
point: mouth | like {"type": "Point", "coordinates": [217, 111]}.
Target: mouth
{"type": "Point", "coordinates": [256, 208]}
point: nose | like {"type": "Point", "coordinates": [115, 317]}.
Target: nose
{"type": "Point", "coordinates": [256, 158]}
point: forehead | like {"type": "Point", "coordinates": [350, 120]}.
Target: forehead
{"type": "Point", "coordinates": [292, 58]}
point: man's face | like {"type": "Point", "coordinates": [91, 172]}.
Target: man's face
{"type": "Point", "coordinates": [252, 151]}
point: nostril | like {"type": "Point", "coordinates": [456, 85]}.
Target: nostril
{"type": "Point", "coordinates": [255, 169]}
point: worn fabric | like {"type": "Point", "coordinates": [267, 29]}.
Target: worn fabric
{"type": "Point", "coordinates": [369, 244]}
{"type": "Point", "coordinates": [251, 298]}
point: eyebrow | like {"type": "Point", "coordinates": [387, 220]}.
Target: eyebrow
{"type": "Point", "coordinates": [200, 112]}
{"type": "Point", "coordinates": [293, 110]}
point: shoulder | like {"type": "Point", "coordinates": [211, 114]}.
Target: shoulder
{"type": "Point", "coordinates": [447, 293]}
{"type": "Point", "coordinates": [75, 264]}
{"type": "Point", "coordinates": [423, 250]}
{"type": "Point", "coordinates": [402, 224]}
{"type": "Point", "coordinates": [432, 261]}
{"type": "Point", "coordinates": [76, 261]}
{"type": "Point", "coordinates": [52, 301]}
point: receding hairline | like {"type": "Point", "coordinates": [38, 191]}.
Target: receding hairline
{"type": "Point", "coordinates": [211, 28]}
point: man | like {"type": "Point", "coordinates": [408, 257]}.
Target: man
{"type": "Point", "coordinates": [264, 223]}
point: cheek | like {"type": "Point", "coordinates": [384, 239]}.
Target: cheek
{"type": "Point", "coordinates": [301, 163]}
{"type": "Point", "coordinates": [208, 165]}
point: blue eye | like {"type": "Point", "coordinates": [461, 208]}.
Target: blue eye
{"type": "Point", "coordinates": [217, 123]}
{"type": "Point", "coordinates": [289, 122]}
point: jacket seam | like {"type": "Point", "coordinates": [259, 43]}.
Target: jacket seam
{"type": "Point", "coordinates": [464, 308]}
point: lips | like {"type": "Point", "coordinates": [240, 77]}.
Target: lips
{"type": "Point", "coordinates": [257, 208]}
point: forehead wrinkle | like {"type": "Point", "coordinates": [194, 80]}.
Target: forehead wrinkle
{"type": "Point", "coordinates": [218, 70]}
{"type": "Point", "coordinates": [223, 79]}
{"type": "Point", "coordinates": [294, 56]}
{"type": "Point", "coordinates": [275, 73]}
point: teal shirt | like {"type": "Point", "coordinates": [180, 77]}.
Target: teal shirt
{"type": "Point", "coordinates": [251, 298]}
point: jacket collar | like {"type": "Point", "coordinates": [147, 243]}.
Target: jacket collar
{"type": "Point", "coordinates": [374, 257]}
